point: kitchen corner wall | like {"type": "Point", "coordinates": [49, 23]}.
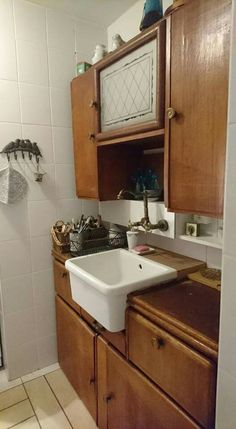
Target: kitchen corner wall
{"type": "Point", "coordinates": [226, 410]}
{"type": "Point", "coordinates": [39, 49]}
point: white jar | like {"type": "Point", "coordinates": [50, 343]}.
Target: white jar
{"type": "Point", "coordinates": [132, 238]}
{"type": "Point", "coordinates": [99, 53]}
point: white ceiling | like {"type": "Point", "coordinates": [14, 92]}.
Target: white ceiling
{"type": "Point", "coordinates": [103, 12]}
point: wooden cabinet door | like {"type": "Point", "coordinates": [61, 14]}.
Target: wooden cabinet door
{"type": "Point", "coordinates": [62, 284]}
{"type": "Point", "coordinates": [76, 354]}
{"type": "Point", "coordinates": [130, 87]}
{"type": "Point", "coordinates": [128, 400]}
{"type": "Point", "coordinates": [198, 45]}
{"type": "Point", "coordinates": [85, 148]}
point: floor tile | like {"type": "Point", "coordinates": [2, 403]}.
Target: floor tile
{"type": "Point", "coordinates": [73, 407]}
{"type": "Point", "coordinates": [15, 414]}
{"type": "Point", "coordinates": [31, 423]}
{"type": "Point", "coordinates": [12, 396]}
{"type": "Point", "coordinates": [46, 407]}
{"type": "Point", "coordinates": [5, 384]}
{"type": "Point", "coordinates": [39, 373]}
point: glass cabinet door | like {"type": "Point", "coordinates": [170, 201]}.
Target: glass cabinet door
{"type": "Point", "coordinates": [130, 86]}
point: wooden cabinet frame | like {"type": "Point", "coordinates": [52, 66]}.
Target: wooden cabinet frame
{"type": "Point", "coordinates": [157, 32]}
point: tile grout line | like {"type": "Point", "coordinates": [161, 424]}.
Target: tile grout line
{"type": "Point", "coordinates": [67, 418]}
{"type": "Point", "coordinates": [12, 405]}
{"type": "Point", "coordinates": [23, 421]}
{"type": "Point", "coordinates": [31, 405]}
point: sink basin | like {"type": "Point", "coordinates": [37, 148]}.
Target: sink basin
{"type": "Point", "coordinates": [100, 283]}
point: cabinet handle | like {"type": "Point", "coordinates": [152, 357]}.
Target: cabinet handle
{"type": "Point", "coordinates": [97, 327]}
{"type": "Point", "coordinates": [92, 381]}
{"type": "Point", "coordinates": [171, 113]}
{"type": "Point", "coordinates": [157, 342]}
{"type": "Point", "coordinates": [63, 275]}
{"type": "Point", "coordinates": [94, 104]}
{"type": "Point", "coordinates": [108, 397]}
{"type": "Point", "coordinates": [91, 136]}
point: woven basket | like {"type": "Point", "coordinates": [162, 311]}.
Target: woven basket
{"type": "Point", "coordinates": [60, 240]}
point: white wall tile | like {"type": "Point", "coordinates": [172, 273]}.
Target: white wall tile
{"type": "Point", "coordinates": [63, 145]}
{"type": "Point", "coordinates": [96, 34]}
{"type": "Point", "coordinates": [47, 351]}
{"type": "Point", "coordinates": [42, 135]}
{"type": "Point", "coordinates": [61, 107]}
{"type": "Point", "coordinates": [90, 207]}
{"type": "Point", "coordinates": [45, 319]}
{"type": "Point", "coordinates": [35, 104]}
{"type": "Point", "coordinates": [61, 32]}
{"type": "Point", "coordinates": [65, 180]}
{"type": "Point", "coordinates": [32, 63]}
{"type": "Point", "coordinates": [46, 189]}
{"type": "Point", "coordinates": [41, 253]}
{"type": "Point", "coordinates": [6, 19]}
{"type": "Point", "coordinates": [228, 291]}
{"type": "Point", "coordinates": [43, 285]}
{"type": "Point", "coordinates": [227, 339]}
{"type": "Point", "coordinates": [61, 67]}
{"type": "Point", "coordinates": [8, 68]}
{"type": "Point", "coordinates": [17, 293]}
{"type": "Point", "coordinates": [9, 132]}
{"type": "Point", "coordinates": [214, 257]}
{"type": "Point", "coordinates": [68, 209]}
{"type": "Point", "coordinates": [20, 327]}
{"type": "Point", "coordinates": [226, 410]}
{"type": "Point", "coordinates": [14, 258]}
{"type": "Point", "coordinates": [22, 359]}
{"type": "Point", "coordinates": [42, 214]}
{"type": "Point", "coordinates": [30, 20]}
{"type": "Point", "coordinates": [14, 227]}
{"type": "Point", "coordinates": [9, 101]}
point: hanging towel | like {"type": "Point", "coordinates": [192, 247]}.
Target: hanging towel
{"type": "Point", "coordinates": [13, 186]}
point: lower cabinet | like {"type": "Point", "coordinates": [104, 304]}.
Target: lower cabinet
{"type": "Point", "coordinates": [128, 400]}
{"type": "Point", "coordinates": [76, 354]}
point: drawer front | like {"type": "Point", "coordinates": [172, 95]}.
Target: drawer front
{"type": "Point", "coordinates": [182, 373]}
{"type": "Point", "coordinates": [62, 284]}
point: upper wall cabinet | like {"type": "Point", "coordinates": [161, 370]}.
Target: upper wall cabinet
{"type": "Point", "coordinates": [198, 42]}
{"type": "Point", "coordinates": [129, 94]}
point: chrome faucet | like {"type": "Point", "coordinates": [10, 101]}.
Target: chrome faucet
{"type": "Point", "coordinates": [145, 223]}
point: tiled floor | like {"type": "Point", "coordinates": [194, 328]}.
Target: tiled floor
{"type": "Point", "coordinates": [44, 399]}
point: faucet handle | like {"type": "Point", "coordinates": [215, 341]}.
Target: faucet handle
{"type": "Point", "coordinates": [162, 225]}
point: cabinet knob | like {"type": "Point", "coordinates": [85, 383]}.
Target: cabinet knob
{"type": "Point", "coordinates": [91, 136]}
{"type": "Point", "coordinates": [108, 397]}
{"type": "Point", "coordinates": [63, 274]}
{"type": "Point", "coordinates": [94, 104]}
{"type": "Point", "coordinates": [171, 113]}
{"type": "Point", "coordinates": [157, 342]}
{"type": "Point", "coordinates": [92, 381]}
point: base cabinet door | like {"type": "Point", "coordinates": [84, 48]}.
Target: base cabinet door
{"type": "Point", "coordinates": [76, 354]}
{"type": "Point", "coordinates": [128, 400]}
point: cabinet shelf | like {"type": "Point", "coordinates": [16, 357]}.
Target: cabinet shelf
{"type": "Point", "coordinates": [205, 240]}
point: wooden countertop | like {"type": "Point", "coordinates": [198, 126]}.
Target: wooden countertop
{"type": "Point", "coordinates": [183, 264]}
{"type": "Point", "coordinates": [187, 309]}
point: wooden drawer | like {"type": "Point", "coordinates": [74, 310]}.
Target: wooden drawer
{"type": "Point", "coordinates": [181, 372]}
{"type": "Point", "coordinates": [62, 285]}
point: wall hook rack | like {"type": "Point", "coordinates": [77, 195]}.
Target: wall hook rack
{"type": "Point", "coordinates": [23, 146]}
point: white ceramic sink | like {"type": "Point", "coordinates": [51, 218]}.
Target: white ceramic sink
{"type": "Point", "coordinates": [100, 283]}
